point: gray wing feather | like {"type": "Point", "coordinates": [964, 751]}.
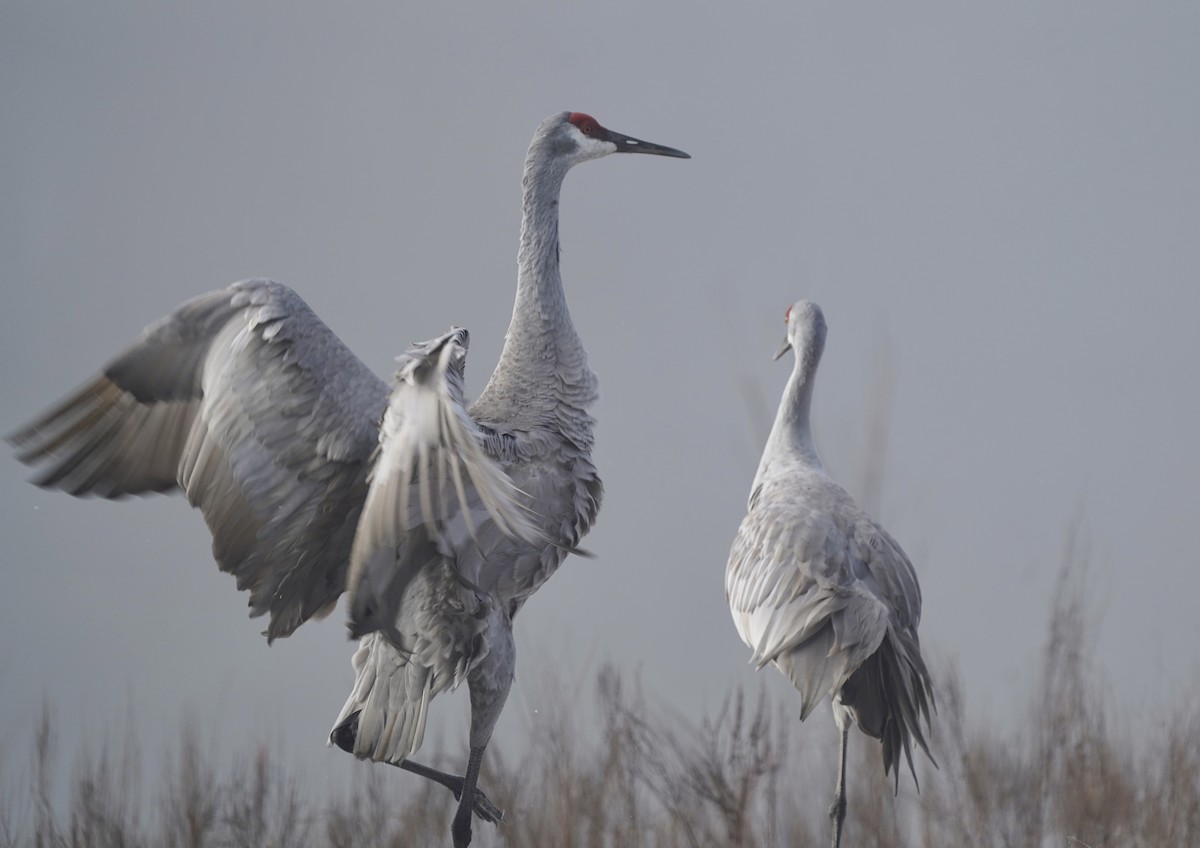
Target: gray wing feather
{"type": "Point", "coordinates": [243, 398]}
{"type": "Point", "coordinates": [792, 589]}
{"type": "Point", "coordinates": [438, 507]}
{"type": "Point", "coordinates": [434, 490]}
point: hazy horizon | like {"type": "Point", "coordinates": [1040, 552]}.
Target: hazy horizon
{"type": "Point", "coordinates": [995, 207]}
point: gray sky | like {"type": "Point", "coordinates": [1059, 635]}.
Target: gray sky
{"type": "Point", "coordinates": [1001, 203]}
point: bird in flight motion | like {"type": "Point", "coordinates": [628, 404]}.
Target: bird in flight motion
{"type": "Point", "coordinates": [823, 593]}
{"type": "Point", "coordinates": [315, 477]}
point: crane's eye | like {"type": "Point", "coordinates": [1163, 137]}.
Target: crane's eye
{"type": "Point", "coordinates": [787, 316]}
{"type": "Point", "coordinates": [586, 124]}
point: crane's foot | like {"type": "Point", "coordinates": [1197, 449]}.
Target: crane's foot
{"type": "Point", "coordinates": [483, 808]}
{"type": "Point", "coordinates": [344, 734]}
{"type": "Point", "coordinates": [480, 805]}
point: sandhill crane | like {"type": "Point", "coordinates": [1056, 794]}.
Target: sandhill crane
{"type": "Point", "coordinates": [313, 478]}
{"type": "Point", "coordinates": [821, 591]}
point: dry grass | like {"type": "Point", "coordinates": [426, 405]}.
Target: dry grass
{"type": "Point", "coordinates": [651, 779]}
{"type": "Point", "coordinates": [1072, 780]}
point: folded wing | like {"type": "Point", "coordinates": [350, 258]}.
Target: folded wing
{"type": "Point", "coordinates": [797, 602]}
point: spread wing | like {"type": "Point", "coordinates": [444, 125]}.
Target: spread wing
{"type": "Point", "coordinates": [435, 492]}
{"type": "Point", "coordinates": [251, 405]}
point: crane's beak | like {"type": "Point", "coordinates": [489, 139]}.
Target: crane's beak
{"type": "Point", "coordinates": [787, 345]}
{"type": "Point", "coordinates": [628, 144]}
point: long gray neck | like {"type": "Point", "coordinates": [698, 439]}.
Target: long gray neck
{"type": "Point", "coordinates": [791, 442]}
{"type": "Point", "coordinates": [542, 376]}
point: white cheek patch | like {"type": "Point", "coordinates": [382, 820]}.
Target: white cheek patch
{"type": "Point", "coordinates": [592, 148]}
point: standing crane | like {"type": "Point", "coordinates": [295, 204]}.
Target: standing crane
{"type": "Point", "coordinates": [314, 477]}
{"type": "Point", "coordinates": [823, 593]}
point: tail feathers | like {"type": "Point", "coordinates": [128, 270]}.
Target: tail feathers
{"type": "Point", "coordinates": [384, 717]}
{"type": "Point", "coordinates": [890, 696]}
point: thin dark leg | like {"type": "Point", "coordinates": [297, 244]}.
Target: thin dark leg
{"type": "Point", "coordinates": [837, 810]}
{"type": "Point", "coordinates": [344, 734]}
{"type": "Point", "coordinates": [460, 828]}
{"type": "Point", "coordinates": [483, 807]}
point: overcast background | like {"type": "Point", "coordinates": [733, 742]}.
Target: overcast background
{"type": "Point", "coordinates": [997, 207]}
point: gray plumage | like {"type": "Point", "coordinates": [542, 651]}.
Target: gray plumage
{"type": "Point", "coordinates": [315, 479]}
{"type": "Point", "coordinates": [821, 591]}
{"type": "Point", "coordinates": [247, 402]}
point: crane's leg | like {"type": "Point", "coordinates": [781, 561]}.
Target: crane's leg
{"type": "Point", "coordinates": [837, 810]}
{"type": "Point", "coordinates": [343, 736]}
{"type": "Point", "coordinates": [482, 806]}
{"type": "Point", "coordinates": [489, 682]}
{"type": "Point", "coordinates": [460, 828]}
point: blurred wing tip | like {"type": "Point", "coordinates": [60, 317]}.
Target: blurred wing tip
{"type": "Point", "coordinates": [458, 337]}
{"type": "Point", "coordinates": [17, 439]}
{"type": "Point", "coordinates": [579, 552]}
